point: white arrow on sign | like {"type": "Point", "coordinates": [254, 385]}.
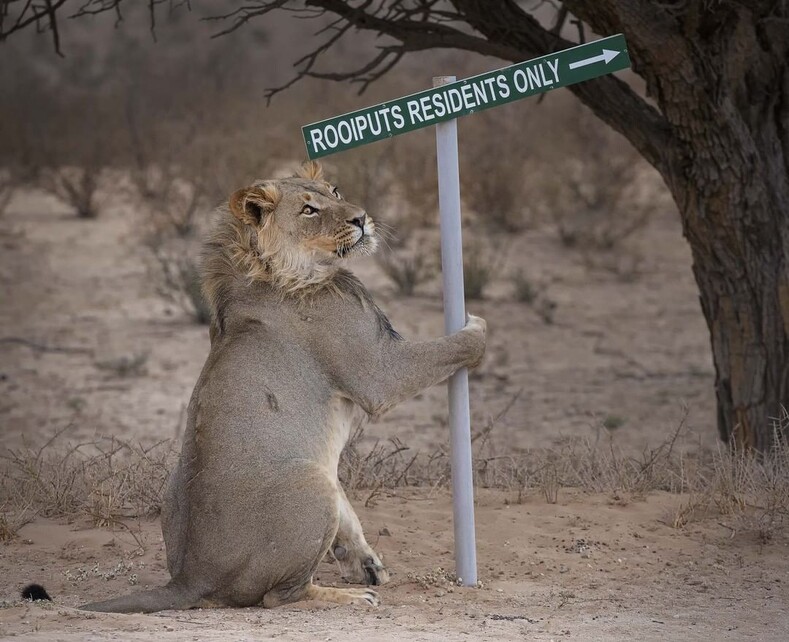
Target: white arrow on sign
{"type": "Point", "coordinates": [606, 56]}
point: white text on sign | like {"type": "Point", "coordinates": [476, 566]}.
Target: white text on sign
{"type": "Point", "coordinates": [454, 100]}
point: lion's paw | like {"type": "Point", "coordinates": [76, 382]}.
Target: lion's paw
{"type": "Point", "coordinates": [365, 597]}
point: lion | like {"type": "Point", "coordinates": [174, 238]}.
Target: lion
{"type": "Point", "coordinates": [297, 344]}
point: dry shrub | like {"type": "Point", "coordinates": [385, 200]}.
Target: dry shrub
{"type": "Point", "coordinates": [383, 464]}
{"type": "Point", "coordinates": [180, 173]}
{"type": "Point", "coordinates": [174, 202]}
{"type": "Point", "coordinates": [480, 263]}
{"type": "Point", "coordinates": [526, 291]}
{"type": "Point", "coordinates": [71, 156]}
{"type": "Point", "coordinates": [12, 178]}
{"type": "Point", "coordinates": [106, 480]}
{"type": "Point", "coordinates": [12, 518]}
{"type": "Point", "coordinates": [533, 294]}
{"type": "Point", "coordinates": [126, 365]}
{"type": "Point", "coordinates": [494, 169]}
{"type": "Point", "coordinates": [591, 184]}
{"type": "Point", "coordinates": [168, 180]}
{"type": "Point", "coordinates": [408, 268]}
{"type": "Point", "coordinates": [413, 162]}
{"type": "Point", "coordinates": [365, 177]}
{"type": "Point", "coordinates": [181, 169]}
{"type": "Point", "coordinates": [110, 480]}
{"type": "Point", "coordinates": [52, 139]}
{"type": "Point", "coordinates": [750, 490]}
{"type": "Point", "coordinates": [74, 186]}
{"type": "Point", "coordinates": [178, 280]}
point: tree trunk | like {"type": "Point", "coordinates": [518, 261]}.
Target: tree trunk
{"type": "Point", "coordinates": [731, 183]}
{"type": "Point", "coordinates": [721, 80]}
{"type": "Point", "coordinates": [741, 269]}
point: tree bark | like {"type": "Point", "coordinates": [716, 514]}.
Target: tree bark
{"type": "Point", "coordinates": [734, 201]}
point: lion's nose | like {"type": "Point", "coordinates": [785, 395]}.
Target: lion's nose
{"type": "Point", "coordinates": [358, 221]}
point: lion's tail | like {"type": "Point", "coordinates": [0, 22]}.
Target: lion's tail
{"type": "Point", "coordinates": [158, 599]}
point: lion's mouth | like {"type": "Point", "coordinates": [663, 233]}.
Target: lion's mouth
{"type": "Point", "coordinates": [345, 250]}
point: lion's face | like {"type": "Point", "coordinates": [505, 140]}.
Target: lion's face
{"type": "Point", "coordinates": [315, 216]}
{"type": "Point", "coordinates": [304, 219]}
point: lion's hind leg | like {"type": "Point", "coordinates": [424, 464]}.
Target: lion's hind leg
{"type": "Point", "coordinates": [305, 507]}
{"type": "Point", "coordinates": [280, 596]}
{"type": "Point", "coordinates": [358, 561]}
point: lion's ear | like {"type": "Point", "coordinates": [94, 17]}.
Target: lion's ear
{"type": "Point", "coordinates": [311, 171]}
{"type": "Point", "coordinates": [252, 205]}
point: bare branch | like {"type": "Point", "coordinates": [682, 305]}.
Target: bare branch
{"type": "Point", "coordinates": [397, 22]}
{"type": "Point", "coordinates": [32, 14]}
{"type": "Point", "coordinates": [509, 33]}
{"type": "Point", "coordinates": [45, 15]}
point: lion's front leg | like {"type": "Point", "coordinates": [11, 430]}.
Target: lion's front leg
{"type": "Point", "coordinates": [358, 562]}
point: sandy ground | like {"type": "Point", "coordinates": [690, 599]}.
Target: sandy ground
{"type": "Point", "coordinates": [635, 350]}
{"type": "Point", "coordinates": [75, 295]}
{"type": "Point", "coordinates": [582, 569]}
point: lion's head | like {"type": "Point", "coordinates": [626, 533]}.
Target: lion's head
{"type": "Point", "coordinates": [304, 216]}
{"type": "Point", "coordinates": [291, 232]}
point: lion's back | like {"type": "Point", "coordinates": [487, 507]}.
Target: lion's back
{"type": "Point", "coordinates": [261, 387]}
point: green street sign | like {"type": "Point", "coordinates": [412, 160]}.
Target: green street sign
{"type": "Point", "coordinates": [491, 89]}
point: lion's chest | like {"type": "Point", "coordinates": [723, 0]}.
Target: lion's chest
{"type": "Point", "coordinates": [340, 422]}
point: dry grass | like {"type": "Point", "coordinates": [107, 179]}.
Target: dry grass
{"type": "Point", "coordinates": [750, 492]}
{"type": "Point", "coordinates": [110, 480]}
{"type": "Point", "coordinates": [106, 480]}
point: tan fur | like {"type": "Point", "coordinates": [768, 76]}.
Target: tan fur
{"type": "Point", "coordinates": [311, 170]}
{"type": "Point", "coordinates": [297, 347]}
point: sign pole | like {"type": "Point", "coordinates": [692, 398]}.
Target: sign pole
{"type": "Point", "coordinates": [454, 320]}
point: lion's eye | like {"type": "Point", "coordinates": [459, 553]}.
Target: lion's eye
{"type": "Point", "coordinates": [336, 192]}
{"type": "Point", "coordinates": [309, 211]}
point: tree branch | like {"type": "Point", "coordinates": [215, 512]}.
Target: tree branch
{"type": "Point", "coordinates": [32, 14]}
{"type": "Point", "coordinates": [611, 99]}
{"type": "Point", "coordinates": [509, 33]}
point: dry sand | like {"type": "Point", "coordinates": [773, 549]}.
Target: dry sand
{"type": "Point", "coordinates": [585, 569]}
{"type": "Point", "coordinates": [77, 294]}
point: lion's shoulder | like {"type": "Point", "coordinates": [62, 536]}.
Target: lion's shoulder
{"type": "Point", "coordinates": [348, 285]}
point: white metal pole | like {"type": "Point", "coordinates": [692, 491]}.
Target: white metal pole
{"type": "Point", "coordinates": [454, 320]}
